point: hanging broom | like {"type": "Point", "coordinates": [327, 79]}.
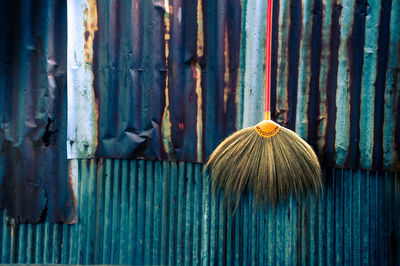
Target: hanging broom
{"type": "Point", "coordinates": [267, 159]}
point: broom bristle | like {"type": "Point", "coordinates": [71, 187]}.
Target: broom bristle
{"type": "Point", "coordinates": [272, 168]}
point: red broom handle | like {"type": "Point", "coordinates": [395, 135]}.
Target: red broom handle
{"type": "Point", "coordinates": [267, 113]}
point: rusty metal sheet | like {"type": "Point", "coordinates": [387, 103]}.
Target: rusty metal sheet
{"type": "Point", "coordinates": [164, 78]}
{"type": "Point", "coordinates": [333, 77]}
{"type": "Point", "coordinates": [34, 181]}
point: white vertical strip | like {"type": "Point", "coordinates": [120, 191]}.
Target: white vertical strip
{"type": "Point", "coordinates": [253, 95]}
{"type": "Point", "coordinates": [81, 132]}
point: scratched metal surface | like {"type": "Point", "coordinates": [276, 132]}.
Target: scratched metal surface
{"type": "Point", "coordinates": [162, 213]}
{"type": "Point", "coordinates": [170, 79]}
{"type": "Point", "coordinates": [34, 180]}
{"type": "Point", "coordinates": [159, 77]}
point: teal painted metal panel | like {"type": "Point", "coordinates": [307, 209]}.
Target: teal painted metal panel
{"type": "Point", "coordinates": [147, 212]}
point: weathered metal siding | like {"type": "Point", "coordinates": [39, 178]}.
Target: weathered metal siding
{"type": "Point", "coordinates": [34, 181]}
{"type": "Point", "coordinates": [169, 79]}
{"type": "Point", "coordinates": [159, 80]}
{"type": "Point", "coordinates": [146, 212]}
{"type": "Point", "coordinates": [334, 78]}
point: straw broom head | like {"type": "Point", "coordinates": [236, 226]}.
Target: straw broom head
{"type": "Point", "coordinates": [267, 159]}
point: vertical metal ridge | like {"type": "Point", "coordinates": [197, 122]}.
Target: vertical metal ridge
{"type": "Point", "coordinates": [332, 83]}
{"type": "Point", "coordinates": [158, 210]}
{"type": "Point", "coordinates": [305, 65]}
{"type": "Point", "coordinates": [274, 58]}
{"type": "Point", "coordinates": [383, 44]}
{"type": "Point", "coordinates": [314, 98]}
{"type": "Point", "coordinates": [180, 215]}
{"type": "Point", "coordinates": [141, 212]}
{"type": "Point", "coordinates": [295, 36]}
{"type": "Point", "coordinates": [390, 156]}
{"type": "Point", "coordinates": [254, 35]}
{"type": "Point", "coordinates": [325, 57]}
{"type": "Point", "coordinates": [282, 104]}
{"type": "Point", "coordinates": [356, 50]}
{"type": "Point", "coordinates": [342, 125]}
{"type": "Point", "coordinates": [116, 211]}
{"type": "Point", "coordinates": [370, 72]}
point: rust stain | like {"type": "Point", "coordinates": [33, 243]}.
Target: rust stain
{"type": "Point", "coordinates": [325, 36]}
{"type": "Point", "coordinates": [238, 87]}
{"type": "Point", "coordinates": [74, 189]}
{"type": "Point", "coordinates": [90, 22]}
{"type": "Point", "coordinates": [90, 25]}
{"type": "Point", "coordinates": [227, 90]}
{"type": "Point", "coordinates": [197, 77]}
{"type": "Point", "coordinates": [200, 35]}
{"type": "Point", "coordinates": [95, 124]}
{"type": "Point", "coordinates": [166, 119]}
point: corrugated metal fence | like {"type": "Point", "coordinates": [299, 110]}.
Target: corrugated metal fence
{"type": "Point", "coordinates": [145, 212]}
{"type": "Point", "coordinates": [330, 57]}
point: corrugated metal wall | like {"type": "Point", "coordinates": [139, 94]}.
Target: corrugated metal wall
{"type": "Point", "coordinates": [334, 77]}
{"type": "Point", "coordinates": [330, 58]}
{"type": "Point", "coordinates": [145, 212]}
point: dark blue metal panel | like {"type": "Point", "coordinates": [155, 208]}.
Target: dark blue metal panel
{"type": "Point", "coordinates": [34, 181]}
{"type": "Point", "coordinates": [165, 77]}
{"type": "Point", "coordinates": [145, 212]}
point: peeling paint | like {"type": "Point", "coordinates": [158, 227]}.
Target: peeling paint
{"type": "Point", "coordinates": [227, 89]}
{"type": "Point", "coordinates": [369, 71]}
{"type": "Point", "coordinates": [82, 107]}
{"type": "Point", "coordinates": [342, 139]}
{"type": "Point", "coordinates": [73, 178]}
{"type": "Point", "coordinates": [200, 29]}
{"type": "Point", "coordinates": [90, 27]}
{"type": "Point", "coordinates": [308, 39]}
{"type": "Point", "coordinates": [166, 120]}
{"type": "Point", "coordinates": [197, 77]}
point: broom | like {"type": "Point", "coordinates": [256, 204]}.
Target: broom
{"type": "Point", "coordinates": [267, 159]}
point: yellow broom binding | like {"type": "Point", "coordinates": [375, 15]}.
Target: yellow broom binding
{"type": "Point", "coordinates": [267, 128]}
